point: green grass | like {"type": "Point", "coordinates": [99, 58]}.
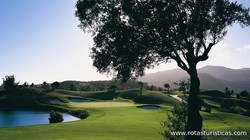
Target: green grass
{"type": "Point", "coordinates": [148, 97]}
{"type": "Point", "coordinates": [101, 104]}
{"type": "Point", "coordinates": [105, 123]}
{"type": "Point", "coordinates": [219, 121]}
{"type": "Point", "coordinates": [120, 119]}
{"type": "Point", "coordinates": [212, 93]}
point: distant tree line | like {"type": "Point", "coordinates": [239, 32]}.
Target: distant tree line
{"type": "Point", "coordinates": [244, 94]}
{"type": "Point", "coordinates": [99, 85]}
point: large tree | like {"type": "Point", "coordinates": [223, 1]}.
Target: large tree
{"type": "Point", "coordinates": [9, 83]}
{"type": "Point", "coordinates": [132, 35]}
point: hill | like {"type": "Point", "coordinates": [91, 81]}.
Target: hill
{"type": "Point", "coordinates": [211, 77]}
{"type": "Point", "coordinates": [99, 85]}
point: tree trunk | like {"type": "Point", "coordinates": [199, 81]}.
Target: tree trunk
{"type": "Point", "coordinates": [141, 89]}
{"type": "Point", "coordinates": [194, 122]}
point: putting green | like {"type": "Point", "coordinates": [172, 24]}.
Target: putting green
{"type": "Point", "coordinates": [102, 104]}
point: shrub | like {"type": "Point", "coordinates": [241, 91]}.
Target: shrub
{"type": "Point", "coordinates": [55, 85]}
{"type": "Point", "coordinates": [83, 115]}
{"type": "Point", "coordinates": [247, 113]}
{"type": "Point", "coordinates": [55, 117]}
{"type": "Point", "coordinates": [175, 122]}
{"type": "Point", "coordinates": [238, 96]}
{"type": "Point", "coordinates": [112, 89]}
{"type": "Point", "coordinates": [9, 83]}
{"type": "Point", "coordinates": [208, 109]}
{"type": "Point", "coordinates": [244, 93]}
{"type": "Point", "coordinates": [228, 104]}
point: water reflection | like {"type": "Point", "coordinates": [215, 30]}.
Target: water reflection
{"type": "Point", "coordinates": [10, 117]}
{"type": "Point", "coordinates": [149, 107]}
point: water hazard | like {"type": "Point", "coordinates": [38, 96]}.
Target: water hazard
{"type": "Point", "coordinates": [10, 117]}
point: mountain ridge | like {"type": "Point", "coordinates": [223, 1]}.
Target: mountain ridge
{"type": "Point", "coordinates": [211, 77]}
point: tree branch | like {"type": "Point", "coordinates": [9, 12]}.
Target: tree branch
{"type": "Point", "coordinates": [179, 61]}
{"type": "Point", "coordinates": [204, 56]}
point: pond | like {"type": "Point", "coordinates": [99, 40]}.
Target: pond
{"type": "Point", "coordinates": [56, 101]}
{"type": "Point", "coordinates": [11, 117]}
{"type": "Point", "coordinates": [78, 100]}
{"type": "Point", "coordinates": [149, 107]}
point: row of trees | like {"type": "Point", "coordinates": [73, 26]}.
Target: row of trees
{"type": "Point", "coordinates": [243, 94]}
{"type": "Point", "coordinates": [10, 84]}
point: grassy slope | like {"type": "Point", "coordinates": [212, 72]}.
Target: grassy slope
{"type": "Point", "coordinates": [223, 121]}
{"type": "Point", "coordinates": [219, 121]}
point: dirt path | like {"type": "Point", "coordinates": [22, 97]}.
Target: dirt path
{"type": "Point", "coordinates": [178, 98]}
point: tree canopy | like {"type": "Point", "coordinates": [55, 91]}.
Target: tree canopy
{"type": "Point", "coordinates": [55, 85]}
{"type": "Point", "coordinates": [131, 35]}
{"type": "Point", "coordinates": [9, 82]}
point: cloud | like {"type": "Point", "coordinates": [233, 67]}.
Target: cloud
{"type": "Point", "coordinates": [221, 51]}
{"type": "Point", "coordinates": [238, 49]}
{"type": "Point", "coordinates": [247, 47]}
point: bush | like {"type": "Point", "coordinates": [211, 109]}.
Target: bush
{"type": "Point", "coordinates": [175, 122]}
{"type": "Point", "coordinates": [208, 109]}
{"type": "Point", "coordinates": [55, 117]}
{"type": "Point", "coordinates": [247, 113]}
{"type": "Point", "coordinates": [228, 104]}
{"type": "Point", "coordinates": [112, 89]}
{"type": "Point", "coordinates": [244, 93]}
{"type": "Point", "coordinates": [238, 96]}
{"type": "Point", "coordinates": [9, 83]}
{"type": "Point", "coordinates": [83, 115]}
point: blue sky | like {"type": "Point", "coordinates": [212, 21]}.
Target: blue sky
{"type": "Point", "coordinates": [40, 41]}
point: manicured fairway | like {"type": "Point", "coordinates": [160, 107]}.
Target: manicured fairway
{"type": "Point", "coordinates": [113, 122]}
{"type": "Point", "coordinates": [120, 119]}
{"type": "Point", "coordinates": [102, 104]}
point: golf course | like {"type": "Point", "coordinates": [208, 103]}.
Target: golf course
{"type": "Point", "coordinates": [119, 118]}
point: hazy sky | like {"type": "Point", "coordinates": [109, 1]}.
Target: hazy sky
{"type": "Point", "coordinates": [40, 41]}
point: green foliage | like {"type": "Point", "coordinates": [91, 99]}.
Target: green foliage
{"type": "Point", "coordinates": [228, 93]}
{"type": "Point", "coordinates": [112, 89]}
{"type": "Point", "coordinates": [55, 117]}
{"type": "Point", "coordinates": [55, 85]}
{"type": "Point", "coordinates": [45, 86]}
{"type": "Point", "coordinates": [176, 122]}
{"type": "Point", "coordinates": [213, 93]}
{"type": "Point", "coordinates": [167, 86]}
{"type": "Point", "coordinates": [99, 85]}
{"type": "Point", "coordinates": [25, 84]}
{"type": "Point", "coordinates": [73, 88]}
{"type": "Point", "coordinates": [83, 115]}
{"type": "Point", "coordinates": [32, 85]}
{"type": "Point", "coordinates": [228, 104]}
{"type": "Point", "coordinates": [244, 93]}
{"type": "Point", "coordinates": [130, 36]}
{"type": "Point", "coordinates": [90, 88]}
{"type": "Point", "coordinates": [154, 88]}
{"type": "Point", "coordinates": [208, 109]}
{"type": "Point", "coordinates": [9, 83]}
{"type": "Point", "coordinates": [183, 85]}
